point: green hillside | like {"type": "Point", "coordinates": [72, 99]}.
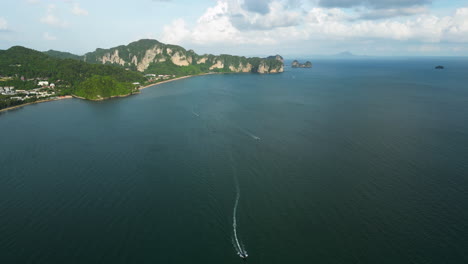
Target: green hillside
{"type": "Point", "coordinates": [63, 55]}
{"type": "Point", "coordinates": [30, 65]}
{"type": "Point", "coordinates": [103, 87]}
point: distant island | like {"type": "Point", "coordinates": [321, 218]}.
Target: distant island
{"type": "Point", "coordinates": [28, 76]}
{"type": "Point", "coordinates": [296, 64]}
{"type": "Point", "coordinates": [344, 54]}
{"type": "Point", "coordinates": [440, 67]}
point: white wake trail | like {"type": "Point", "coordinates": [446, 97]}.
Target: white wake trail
{"type": "Point", "coordinates": [237, 245]}
{"type": "Point", "coordinates": [193, 112]}
{"type": "Point", "coordinates": [249, 134]}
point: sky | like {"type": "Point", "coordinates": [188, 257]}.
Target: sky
{"type": "Point", "coordinates": [242, 27]}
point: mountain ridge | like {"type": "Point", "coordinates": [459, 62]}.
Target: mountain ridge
{"type": "Point", "coordinates": [144, 55]}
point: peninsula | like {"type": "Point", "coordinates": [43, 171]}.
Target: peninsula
{"type": "Point", "coordinates": [27, 75]}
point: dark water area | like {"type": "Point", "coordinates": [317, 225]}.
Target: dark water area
{"type": "Point", "coordinates": [352, 161]}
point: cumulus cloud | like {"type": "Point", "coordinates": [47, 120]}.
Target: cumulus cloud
{"type": "Point", "coordinates": [373, 3]}
{"type": "Point", "coordinates": [424, 28]}
{"type": "Point", "coordinates": [177, 32]}
{"type": "Point", "coordinates": [257, 6]}
{"type": "Point", "coordinates": [278, 16]}
{"type": "Point", "coordinates": [393, 12]}
{"type": "Point", "coordinates": [229, 23]}
{"type": "Point", "coordinates": [78, 11]}
{"type": "Point", "coordinates": [51, 19]}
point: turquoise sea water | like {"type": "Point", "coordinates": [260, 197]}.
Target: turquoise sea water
{"type": "Point", "coordinates": [353, 161]}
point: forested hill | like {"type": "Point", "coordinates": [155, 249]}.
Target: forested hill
{"type": "Point", "coordinates": [152, 56]}
{"type": "Point", "coordinates": [63, 55]}
{"type": "Point", "coordinates": [21, 65]}
{"type": "Point", "coordinates": [23, 68]}
{"type": "Point", "coordinates": [20, 61]}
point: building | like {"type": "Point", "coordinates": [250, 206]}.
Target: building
{"type": "Point", "coordinates": [43, 83]}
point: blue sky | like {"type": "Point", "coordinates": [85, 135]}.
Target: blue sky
{"type": "Point", "coordinates": [243, 27]}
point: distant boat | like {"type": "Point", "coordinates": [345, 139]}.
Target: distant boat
{"type": "Point", "coordinates": [440, 67]}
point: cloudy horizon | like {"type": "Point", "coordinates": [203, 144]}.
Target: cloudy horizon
{"type": "Point", "coordinates": [243, 27]}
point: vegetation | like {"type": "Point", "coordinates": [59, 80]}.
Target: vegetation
{"type": "Point", "coordinates": [19, 61]}
{"type": "Point", "coordinates": [170, 68]}
{"type": "Point", "coordinates": [296, 64]}
{"type": "Point", "coordinates": [25, 67]}
{"type": "Point", "coordinates": [102, 87]}
{"type": "Point", "coordinates": [87, 77]}
{"type": "Point", "coordinates": [5, 102]}
{"type": "Point", "coordinates": [136, 52]}
{"type": "Point", "coordinates": [63, 55]}
{"type": "Point", "coordinates": [137, 48]}
{"type": "Point", "coordinates": [19, 84]}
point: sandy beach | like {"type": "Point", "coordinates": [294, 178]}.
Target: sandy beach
{"type": "Point", "coordinates": [171, 80]}
{"type": "Point", "coordinates": [37, 102]}
{"type": "Point", "coordinates": [74, 96]}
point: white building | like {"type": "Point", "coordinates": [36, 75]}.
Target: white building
{"type": "Point", "coordinates": [43, 83]}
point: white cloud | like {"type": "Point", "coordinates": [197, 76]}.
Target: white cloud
{"type": "Point", "coordinates": [48, 36]}
{"type": "Point", "coordinates": [3, 24]}
{"type": "Point", "coordinates": [78, 11]}
{"type": "Point", "coordinates": [176, 32]}
{"type": "Point", "coordinates": [51, 19]}
{"type": "Point", "coordinates": [278, 16]}
{"type": "Point", "coordinates": [393, 12]}
{"type": "Point", "coordinates": [373, 4]}
{"type": "Point", "coordinates": [228, 24]}
{"type": "Point", "coordinates": [33, 2]}
{"type": "Point", "coordinates": [330, 23]}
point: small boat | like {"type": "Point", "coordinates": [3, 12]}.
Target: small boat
{"type": "Point", "coordinates": [243, 255]}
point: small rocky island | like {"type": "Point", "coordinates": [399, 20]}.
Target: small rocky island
{"type": "Point", "coordinates": [440, 67]}
{"type": "Point", "coordinates": [296, 64]}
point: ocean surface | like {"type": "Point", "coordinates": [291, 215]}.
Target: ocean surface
{"type": "Point", "coordinates": [352, 161]}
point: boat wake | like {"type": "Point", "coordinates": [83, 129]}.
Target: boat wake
{"type": "Point", "coordinates": [250, 134]}
{"type": "Point", "coordinates": [193, 112]}
{"type": "Point", "coordinates": [237, 245]}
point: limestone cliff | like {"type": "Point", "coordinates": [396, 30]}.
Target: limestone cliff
{"type": "Point", "coordinates": [145, 55]}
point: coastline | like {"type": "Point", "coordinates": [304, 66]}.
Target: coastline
{"type": "Point", "coordinates": [117, 96]}
{"type": "Point", "coordinates": [37, 102]}
{"type": "Point", "coordinates": [106, 98]}
{"type": "Point", "coordinates": [171, 80]}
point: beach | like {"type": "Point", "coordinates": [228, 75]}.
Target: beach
{"type": "Point", "coordinates": [170, 80]}
{"type": "Point", "coordinates": [74, 96]}
{"type": "Point", "coordinates": [37, 102]}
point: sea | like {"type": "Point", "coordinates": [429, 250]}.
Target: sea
{"type": "Point", "coordinates": [352, 161]}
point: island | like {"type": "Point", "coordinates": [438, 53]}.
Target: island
{"type": "Point", "coordinates": [28, 76]}
{"type": "Point", "coordinates": [440, 67]}
{"type": "Point", "coordinates": [296, 64]}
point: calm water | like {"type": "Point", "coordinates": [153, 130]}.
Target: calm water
{"type": "Point", "coordinates": [357, 161]}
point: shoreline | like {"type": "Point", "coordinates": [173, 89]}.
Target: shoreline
{"type": "Point", "coordinates": [37, 102]}
{"type": "Point", "coordinates": [171, 80]}
{"type": "Point", "coordinates": [106, 98]}
{"type": "Point", "coordinates": [96, 100]}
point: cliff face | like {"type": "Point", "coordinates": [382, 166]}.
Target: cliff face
{"type": "Point", "coordinates": [142, 54]}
